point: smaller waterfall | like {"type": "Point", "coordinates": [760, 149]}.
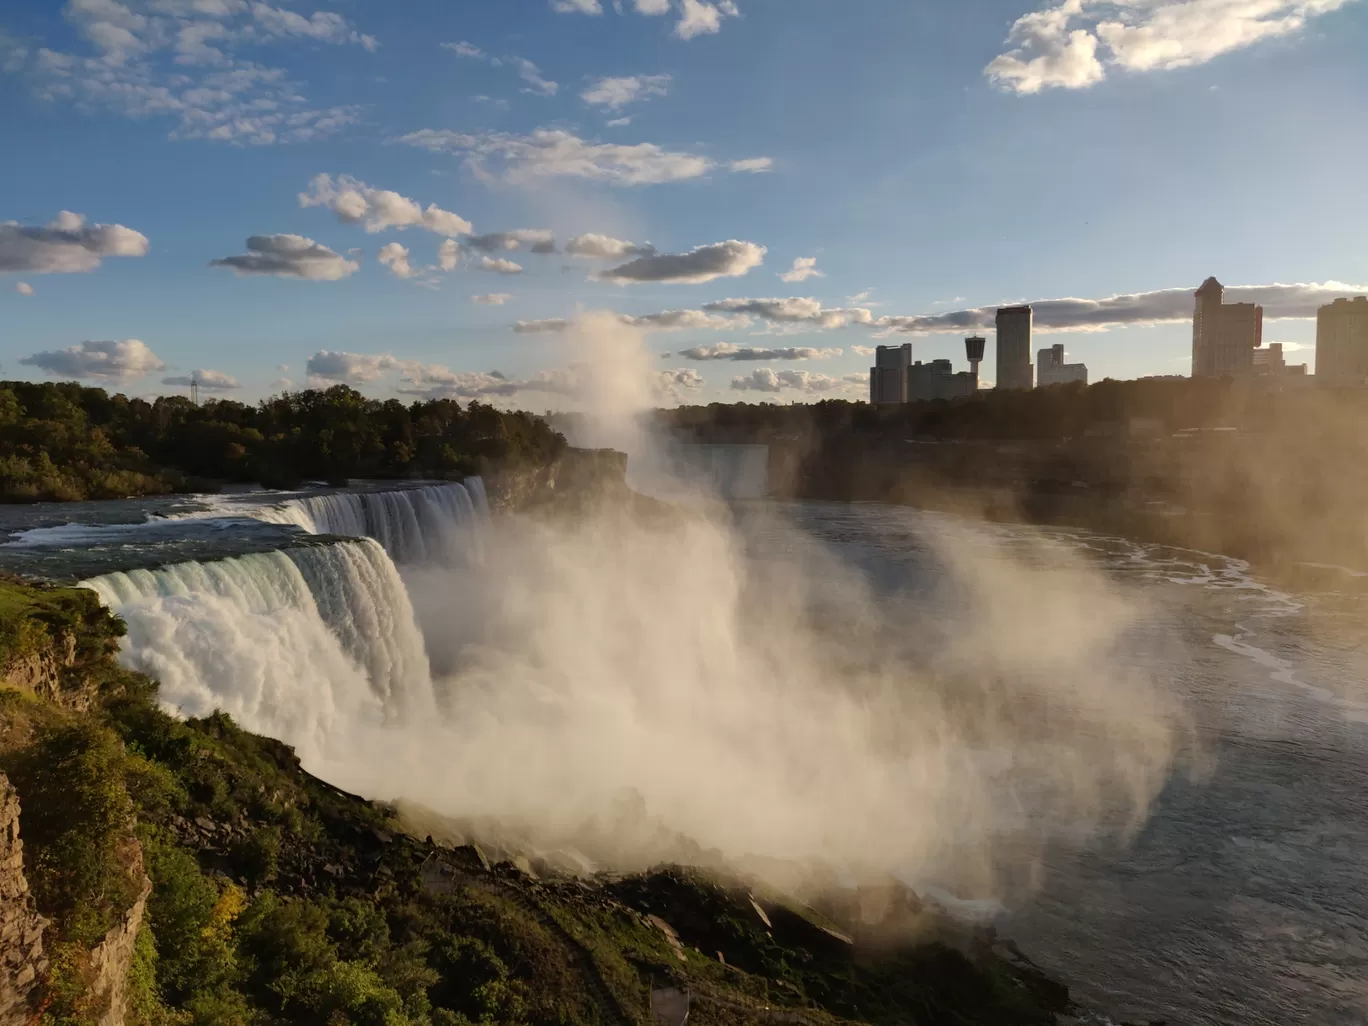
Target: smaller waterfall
{"type": "Point", "coordinates": [431, 524]}
{"type": "Point", "coordinates": [298, 645]}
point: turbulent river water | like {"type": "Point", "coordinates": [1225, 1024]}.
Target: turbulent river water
{"type": "Point", "coordinates": [1241, 897]}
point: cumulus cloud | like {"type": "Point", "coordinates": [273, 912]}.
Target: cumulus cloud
{"type": "Point", "coordinates": [794, 310]}
{"type": "Point", "coordinates": [730, 259]}
{"type": "Point", "coordinates": [763, 379]}
{"type": "Point", "coordinates": [498, 265]}
{"type": "Point", "coordinates": [23, 288]}
{"type": "Point", "coordinates": [686, 320]}
{"type": "Point", "coordinates": [66, 245]}
{"type": "Point", "coordinates": [652, 7]}
{"type": "Point", "coordinates": [448, 255]}
{"type": "Point", "coordinates": [538, 240]}
{"type": "Point", "coordinates": [327, 366]}
{"type": "Point", "coordinates": [616, 93]}
{"type": "Point", "coordinates": [289, 256]}
{"type": "Point", "coordinates": [378, 209]}
{"type": "Point", "coordinates": [803, 268]}
{"type": "Point", "coordinates": [1074, 43]}
{"type": "Point", "coordinates": [184, 60]}
{"type": "Point", "coordinates": [1164, 306]}
{"type": "Point", "coordinates": [207, 380]}
{"type": "Point", "coordinates": [603, 247]}
{"type": "Point", "coordinates": [554, 152]}
{"type": "Point", "coordinates": [753, 165]}
{"type": "Point", "coordinates": [576, 6]}
{"type": "Point", "coordinates": [675, 384]}
{"type": "Point", "coordinates": [863, 350]}
{"type": "Point", "coordinates": [549, 325]}
{"type": "Point", "coordinates": [744, 354]}
{"type": "Point", "coordinates": [103, 361]}
{"type": "Point", "coordinates": [700, 18]}
{"type": "Point", "coordinates": [491, 298]}
{"type": "Point", "coordinates": [396, 258]}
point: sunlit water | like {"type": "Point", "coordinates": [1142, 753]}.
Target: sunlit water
{"type": "Point", "coordinates": [1242, 899]}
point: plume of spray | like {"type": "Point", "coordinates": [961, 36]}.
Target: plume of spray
{"type": "Point", "coordinates": [703, 687]}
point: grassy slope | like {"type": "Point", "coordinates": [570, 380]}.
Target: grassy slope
{"type": "Point", "coordinates": [279, 899]}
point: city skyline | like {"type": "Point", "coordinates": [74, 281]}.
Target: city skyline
{"type": "Point", "coordinates": [417, 202]}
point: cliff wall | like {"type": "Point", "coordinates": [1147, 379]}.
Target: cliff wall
{"type": "Point", "coordinates": [22, 963]}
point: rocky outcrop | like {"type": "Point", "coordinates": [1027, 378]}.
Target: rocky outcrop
{"type": "Point", "coordinates": [575, 474]}
{"type": "Point", "coordinates": [113, 956]}
{"type": "Point", "coordinates": [43, 670]}
{"type": "Point", "coordinates": [22, 964]}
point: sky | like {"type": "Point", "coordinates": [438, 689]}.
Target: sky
{"type": "Point", "coordinates": [414, 197]}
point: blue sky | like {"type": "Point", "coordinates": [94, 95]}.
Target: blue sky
{"type": "Point", "coordinates": [925, 159]}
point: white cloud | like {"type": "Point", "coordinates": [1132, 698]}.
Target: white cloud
{"type": "Point", "coordinates": [289, 256]}
{"type": "Point", "coordinates": [860, 297]}
{"type": "Point", "coordinates": [604, 247]}
{"type": "Point", "coordinates": [105, 361]}
{"type": "Point", "coordinates": [863, 350]}
{"type": "Point", "coordinates": [326, 366]}
{"type": "Point", "coordinates": [652, 7]}
{"type": "Point", "coordinates": [618, 122]}
{"type": "Point", "coordinates": [793, 310]}
{"type": "Point", "coordinates": [464, 49]}
{"type": "Point", "coordinates": [803, 269]}
{"type": "Point", "coordinates": [576, 6]}
{"type": "Point", "coordinates": [378, 209]}
{"type": "Point", "coordinates": [753, 165]}
{"type": "Point", "coordinates": [550, 325]}
{"type": "Point", "coordinates": [498, 265]}
{"type": "Point", "coordinates": [1164, 306]}
{"type": "Point", "coordinates": [491, 299]}
{"type": "Point", "coordinates": [1074, 43]}
{"type": "Point", "coordinates": [616, 93]}
{"type": "Point", "coordinates": [763, 379]}
{"type": "Point", "coordinates": [730, 259]}
{"type": "Point", "coordinates": [396, 258]}
{"type": "Point", "coordinates": [207, 380]}
{"type": "Point", "coordinates": [700, 18]}
{"type": "Point", "coordinates": [181, 59]}
{"type": "Point", "coordinates": [675, 384]}
{"type": "Point", "coordinates": [448, 255]}
{"type": "Point", "coordinates": [23, 288]}
{"type": "Point", "coordinates": [745, 354]}
{"type": "Point", "coordinates": [281, 385]}
{"type": "Point", "coordinates": [686, 320]}
{"type": "Point", "coordinates": [66, 245]}
{"type": "Point", "coordinates": [554, 152]}
{"type": "Point", "coordinates": [531, 74]}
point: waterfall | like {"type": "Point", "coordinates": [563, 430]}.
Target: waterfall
{"type": "Point", "coordinates": [292, 644]}
{"type": "Point", "coordinates": [431, 524]}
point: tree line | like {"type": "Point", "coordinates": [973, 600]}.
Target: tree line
{"type": "Point", "coordinates": [61, 441]}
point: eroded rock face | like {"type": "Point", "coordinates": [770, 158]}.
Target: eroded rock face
{"type": "Point", "coordinates": [113, 957]}
{"type": "Point", "coordinates": [22, 964]}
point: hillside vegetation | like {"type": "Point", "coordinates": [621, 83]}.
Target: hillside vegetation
{"type": "Point", "coordinates": [62, 441]}
{"type": "Point", "coordinates": [273, 898]}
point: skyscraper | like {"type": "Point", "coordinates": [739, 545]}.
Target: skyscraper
{"type": "Point", "coordinates": [891, 374]}
{"type": "Point", "coordinates": [974, 346]}
{"type": "Point", "coordinates": [1224, 336]}
{"type": "Point", "coordinates": [1342, 343]}
{"type": "Point", "coordinates": [1014, 347]}
{"type": "Point", "coordinates": [1052, 370]}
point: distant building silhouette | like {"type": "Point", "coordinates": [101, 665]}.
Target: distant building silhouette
{"type": "Point", "coordinates": [1014, 347]}
{"type": "Point", "coordinates": [1052, 370]}
{"type": "Point", "coordinates": [890, 377]}
{"type": "Point", "coordinates": [938, 380]}
{"type": "Point", "coordinates": [1342, 343]}
{"type": "Point", "coordinates": [974, 346]}
{"type": "Point", "coordinates": [1269, 363]}
{"type": "Point", "coordinates": [1224, 336]}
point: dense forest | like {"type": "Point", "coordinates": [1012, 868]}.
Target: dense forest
{"type": "Point", "coordinates": [62, 441]}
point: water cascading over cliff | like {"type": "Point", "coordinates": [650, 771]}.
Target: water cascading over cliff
{"type": "Point", "coordinates": [292, 644]}
{"type": "Point", "coordinates": [434, 523]}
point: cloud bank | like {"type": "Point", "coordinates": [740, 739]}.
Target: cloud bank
{"type": "Point", "coordinates": [730, 259]}
{"type": "Point", "coordinates": [763, 379]}
{"type": "Point", "coordinates": [730, 351]}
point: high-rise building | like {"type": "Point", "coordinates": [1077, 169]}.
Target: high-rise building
{"type": "Point", "coordinates": [938, 380]}
{"type": "Point", "coordinates": [1052, 370]}
{"type": "Point", "coordinates": [890, 376]}
{"type": "Point", "coordinates": [1224, 336]}
{"type": "Point", "coordinates": [1014, 347]}
{"type": "Point", "coordinates": [1342, 343]}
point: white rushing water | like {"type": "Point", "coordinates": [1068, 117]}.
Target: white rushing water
{"type": "Point", "coordinates": [434, 523]}
{"type": "Point", "coordinates": [304, 643]}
